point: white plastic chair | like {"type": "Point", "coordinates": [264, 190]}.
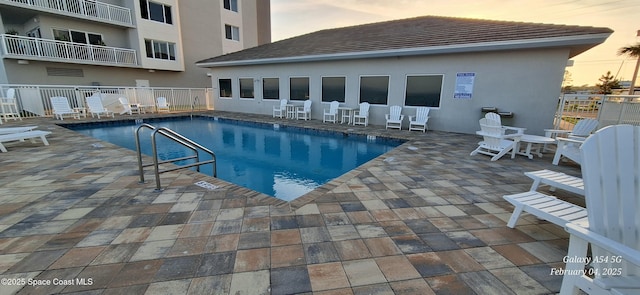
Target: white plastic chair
{"type": "Point", "coordinates": [331, 115]}
{"type": "Point", "coordinates": [129, 108]}
{"type": "Point", "coordinates": [280, 110]}
{"type": "Point", "coordinates": [94, 103]}
{"type": "Point", "coordinates": [507, 129]}
{"type": "Point", "coordinates": [162, 105]}
{"type": "Point", "coordinates": [361, 116]}
{"type": "Point", "coordinates": [394, 118]}
{"type": "Point", "coordinates": [304, 112]}
{"type": "Point", "coordinates": [495, 143]}
{"type": "Point", "coordinates": [568, 148]}
{"type": "Point", "coordinates": [9, 106]}
{"type": "Point", "coordinates": [21, 136]}
{"type": "Point", "coordinates": [580, 131]}
{"type": "Point", "coordinates": [61, 108]}
{"type": "Point", "coordinates": [610, 171]}
{"type": "Point", "coordinates": [419, 121]}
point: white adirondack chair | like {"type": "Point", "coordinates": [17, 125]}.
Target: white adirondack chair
{"type": "Point", "coordinates": [280, 109]}
{"type": "Point", "coordinates": [507, 129]}
{"type": "Point", "coordinates": [568, 148]}
{"type": "Point", "coordinates": [9, 106]}
{"type": "Point", "coordinates": [582, 129]}
{"type": "Point", "coordinates": [304, 112]}
{"type": "Point", "coordinates": [361, 116]}
{"type": "Point", "coordinates": [394, 118]}
{"type": "Point", "coordinates": [331, 115]}
{"type": "Point", "coordinates": [128, 107]}
{"type": "Point", "coordinates": [162, 105]}
{"type": "Point", "coordinates": [419, 121]}
{"type": "Point", "coordinates": [495, 143]}
{"type": "Point", "coordinates": [610, 170]}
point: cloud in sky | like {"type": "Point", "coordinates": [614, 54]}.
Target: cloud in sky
{"type": "Point", "coordinates": [296, 17]}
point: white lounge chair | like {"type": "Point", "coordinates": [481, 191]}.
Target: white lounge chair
{"type": "Point", "coordinates": [394, 118]}
{"type": "Point", "coordinates": [495, 142]}
{"type": "Point", "coordinates": [304, 112]}
{"type": "Point", "coordinates": [331, 115]}
{"type": "Point", "coordinates": [128, 107]}
{"type": "Point", "coordinates": [61, 108]}
{"type": "Point", "coordinates": [280, 110]}
{"type": "Point", "coordinates": [21, 136]}
{"type": "Point", "coordinates": [9, 106]}
{"type": "Point", "coordinates": [9, 130]}
{"type": "Point", "coordinates": [361, 116]}
{"type": "Point", "coordinates": [419, 121]}
{"type": "Point", "coordinates": [94, 103]}
{"type": "Point", "coordinates": [162, 105]}
{"type": "Point", "coordinates": [610, 172]}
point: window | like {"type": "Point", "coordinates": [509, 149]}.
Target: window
{"type": "Point", "coordinates": [155, 11]}
{"type": "Point", "coordinates": [225, 87]}
{"type": "Point", "coordinates": [246, 88]}
{"type": "Point", "coordinates": [231, 5]}
{"type": "Point", "coordinates": [299, 88]}
{"type": "Point", "coordinates": [423, 91]}
{"type": "Point", "coordinates": [77, 37]}
{"type": "Point", "coordinates": [160, 49]}
{"type": "Point", "coordinates": [374, 89]}
{"type": "Point", "coordinates": [232, 32]}
{"type": "Point", "coordinates": [270, 88]}
{"type": "Point", "coordinates": [333, 88]}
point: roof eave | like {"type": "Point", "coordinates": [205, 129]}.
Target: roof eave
{"type": "Point", "coordinates": [566, 41]}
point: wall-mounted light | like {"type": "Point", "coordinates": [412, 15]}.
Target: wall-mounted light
{"type": "Point", "coordinates": [23, 62]}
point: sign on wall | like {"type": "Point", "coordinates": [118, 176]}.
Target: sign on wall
{"type": "Point", "coordinates": [464, 85]}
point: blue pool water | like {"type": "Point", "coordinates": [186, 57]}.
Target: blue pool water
{"type": "Point", "coordinates": [280, 161]}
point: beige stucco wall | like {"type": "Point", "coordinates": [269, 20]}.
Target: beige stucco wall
{"type": "Point", "coordinates": [525, 82]}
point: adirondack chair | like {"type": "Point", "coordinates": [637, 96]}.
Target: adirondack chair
{"type": "Point", "coordinates": [568, 148]}
{"type": "Point", "coordinates": [304, 112]}
{"type": "Point", "coordinates": [9, 106]}
{"type": "Point", "coordinates": [419, 121]}
{"type": "Point", "coordinates": [331, 114]}
{"type": "Point", "coordinates": [610, 171]}
{"type": "Point", "coordinates": [394, 118]}
{"type": "Point", "coordinates": [162, 105]}
{"type": "Point", "coordinates": [280, 109]}
{"type": "Point", "coordinates": [580, 131]}
{"type": "Point", "coordinates": [507, 129]}
{"type": "Point", "coordinates": [361, 116]}
{"type": "Point", "coordinates": [495, 142]}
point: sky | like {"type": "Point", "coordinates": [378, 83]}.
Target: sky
{"type": "Point", "coordinates": [290, 18]}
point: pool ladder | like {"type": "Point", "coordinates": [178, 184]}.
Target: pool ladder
{"type": "Point", "coordinates": [176, 137]}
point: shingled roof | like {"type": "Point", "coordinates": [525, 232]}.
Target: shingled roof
{"type": "Point", "coordinates": [416, 36]}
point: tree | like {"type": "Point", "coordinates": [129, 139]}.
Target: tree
{"type": "Point", "coordinates": [608, 82]}
{"type": "Point", "coordinates": [632, 51]}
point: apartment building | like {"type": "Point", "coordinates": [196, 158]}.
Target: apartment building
{"type": "Point", "coordinates": [124, 42]}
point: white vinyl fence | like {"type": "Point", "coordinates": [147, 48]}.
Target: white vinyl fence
{"type": "Point", "coordinates": [34, 100]}
{"type": "Point", "coordinates": [607, 109]}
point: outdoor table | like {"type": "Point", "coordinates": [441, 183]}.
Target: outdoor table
{"type": "Point", "coordinates": [532, 140]}
{"type": "Point", "coordinates": [345, 113]}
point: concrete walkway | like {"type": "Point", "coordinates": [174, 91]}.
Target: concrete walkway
{"type": "Point", "coordinates": [425, 218]}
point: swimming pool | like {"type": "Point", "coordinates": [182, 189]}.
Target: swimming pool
{"type": "Point", "coordinates": [280, 161]}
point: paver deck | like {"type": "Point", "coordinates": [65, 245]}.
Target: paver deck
{"type": "Point", "coordinates": [425, 218]}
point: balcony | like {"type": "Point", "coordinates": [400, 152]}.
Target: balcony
{"type": "Point", "coordinates": [60, 51]}
{"type": "Point", "coordinates": [88, 9]}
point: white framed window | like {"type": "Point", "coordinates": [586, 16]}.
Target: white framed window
{"type": "Point", "coordinates": [333, 88]}
{"type": "Point", "coordinates": [246, 88]}
{"type": "Point", "coordinates": [299, 88]}
{"type": "Point", "coordinates": [423, 90]}
{"type": "Point", "coordinates": [160, 49]}
{"type": "Point", "coordinates": [232, 32]}
{"type": "Point", "coordinates": [270, 88]}
{"type": "Point", "coordinates": [224, 85]}
{"type": "Point", "coordinates": [155, 12]}
{"type": "Point", "coordinates": [231, 5]}
{"type": "Point", "coordinates": [374, 89]}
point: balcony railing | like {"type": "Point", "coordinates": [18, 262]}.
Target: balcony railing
{"type": "Point", "coordinates": [88, 8]}
{"type": "Point", "coordinates": [53, 50]}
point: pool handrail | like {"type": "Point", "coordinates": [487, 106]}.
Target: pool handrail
{"type": "Point", "coordinates": [178, 138]}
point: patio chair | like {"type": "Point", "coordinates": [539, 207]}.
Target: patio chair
{"type": "Point", "coordinates": [495, 142]}
{"type": "Point", "coordinates": [94, 103]}
{"type": "Point", "coordinates": [280, 110]}
{"type": "Point", "coordinates": [394, 118]}
{"type": "Point", "coordinates": [9, 106]}
{"type": "Point", "coordinates": [61, 108]}
{"type": "Point", "coordinates": [419, 121]}
{"type": "Point", "coordinates": [361, 116]}
{"type": "Point", "coordinates": [304, 112]}
{"type": "Point", "coordinates": [568, 148]}
{"type": "Point", "coordinates": [21, 136]}
{"type": "Point", "coordinates": [9, 130]}
{"type": "Point", "coordinates": [128, 107]}
{"type": "Point", "coordinates": [507, 129]}
{"type": "Point", "coordinates": [162, 105]}
{"type": "Point", "coordinates": [610, 171]}
{"type": "Point", "coordinates": [581, 130]}
{"type": "Point", "coordinates": [331, 115]}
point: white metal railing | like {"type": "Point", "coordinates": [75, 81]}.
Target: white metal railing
{"type": "Point", "coordinates": [88, 8]}
{"type": "Point", "coordinates": [28, 47]}
{"type": "Point", "coordinates": [34, 100]}
{"type": "Point", "coordinates": [607, 109]}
